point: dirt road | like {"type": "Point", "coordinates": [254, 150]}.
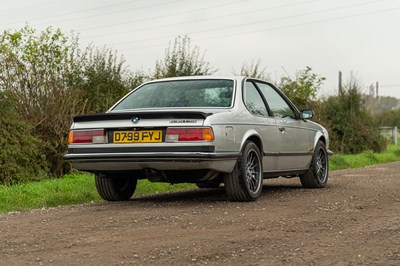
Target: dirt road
{"type": "Point", "coordinates": [354, 221]}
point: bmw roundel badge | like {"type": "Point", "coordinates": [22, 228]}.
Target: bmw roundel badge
{"type": "Point", "coordinates": [135, 120]}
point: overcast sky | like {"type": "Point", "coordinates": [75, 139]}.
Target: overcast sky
{"type": "Point", "coordinates": [354, 36]}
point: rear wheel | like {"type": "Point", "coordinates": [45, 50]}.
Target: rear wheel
{"type": "Point", "coordinates": [208, 184]}
{"type": "Point", "coordinates": [214, 183]}
{"type": "Point", "coordinates": [317, 175]}
{"type": "Point", "coordinates": [113, 188]}
{"type": "Point", "coordinates": [245, 181]}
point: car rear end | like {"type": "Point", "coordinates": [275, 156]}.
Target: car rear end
{"type": "Point", "coordinates": [147, 133]}
{"type": "Point", "coordinates": [160, 141]}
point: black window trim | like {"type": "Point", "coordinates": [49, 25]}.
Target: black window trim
{"type": "Point", "coordinates": [285, 98]}
{"type": "Point", "coordinates": [270, 114]}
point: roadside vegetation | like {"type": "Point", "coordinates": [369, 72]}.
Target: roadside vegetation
{"type": "Point", "coordinates": [366, 158]}
{"type": "Point", "coordinates": [75, 188]}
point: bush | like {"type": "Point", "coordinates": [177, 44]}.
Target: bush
{"type": "Point", "coordinates": [350, 126]}
{"type": "Point", "coordinates": [20, 156]}
{"type": "Point", "coordinates": [40, 68]}
{"type": "Point", "coordinates": [389, 118]}
{"type": "Point", "coordinates": [302, 90]}
{"type": "Point", "coordinates": [254, 70]}
{"type": "Point", "coordinates": [105, 79]}
{"type": "Point", "coordinates": [181, 60]}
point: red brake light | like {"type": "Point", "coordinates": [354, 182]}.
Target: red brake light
{"type": "Point", "coordinates": [87, 136]}
{"type": "Point", "coordinates": [174, 134]}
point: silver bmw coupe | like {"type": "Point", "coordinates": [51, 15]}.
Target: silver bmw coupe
{"type": "Point", "coordinates": [203, 130]}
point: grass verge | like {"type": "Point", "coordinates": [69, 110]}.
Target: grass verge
{"type": "Point", "coordinates": [345, 161]}
{"type": "Point", "coordinates": [72, 189]}
{"type": "Point", "coordinates": [79, 188]}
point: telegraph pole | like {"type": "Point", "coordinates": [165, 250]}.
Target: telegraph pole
{"type": "Point", "coordinates": [340, 82]}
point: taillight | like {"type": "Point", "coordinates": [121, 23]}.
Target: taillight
{"type": "Point", "coordinates": [96, 136]}
{"type": "Point", "coordinates": [175, 134]}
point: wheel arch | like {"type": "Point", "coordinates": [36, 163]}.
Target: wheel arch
{"type": "Point", "coordinates": [319, 137]}
{"type": "Point", "coordinates": [254, 137]}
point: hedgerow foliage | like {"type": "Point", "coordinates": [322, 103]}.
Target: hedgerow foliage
{"type": "Point", "coordinates": [254, 70]}
{"type": "Point", "coordinates": [53, 80]}
{"type": "Point", "coordinates": [351, 127]}
{"type": "Point", "coordinates": [105, 79]}
{"type": "Point", "coordinates": [20, 156]}
{"type": "Point", "coordinates": [39, 68]}
{"type": "Point", "coordinates": [182, 60]}
{"type": "Point", "coordinates": [302, 90]}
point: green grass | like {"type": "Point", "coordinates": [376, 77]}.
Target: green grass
{"type": "Point", "coordinates": [345, 161]}
{"type": "Point", "coordinates": [72, 189]}
{"type": "Point", "coordinates": [79, 188]}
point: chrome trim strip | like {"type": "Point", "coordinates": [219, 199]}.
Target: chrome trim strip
{"type": "Point", "coordinates": [167, 156]}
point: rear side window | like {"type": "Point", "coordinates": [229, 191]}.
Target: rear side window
{"type": "Point", "coordinates": [181, 93]}
{"type": "Point", "coordinates": [277, 104]}
{"type": "Point", "coordinates": [254, 103]}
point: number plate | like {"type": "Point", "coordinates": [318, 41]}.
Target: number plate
{"type": "Point", "coordinates": [143, 136]}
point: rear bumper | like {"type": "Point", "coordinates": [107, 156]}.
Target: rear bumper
{"type": "Point", "coordinates": [92, 162]}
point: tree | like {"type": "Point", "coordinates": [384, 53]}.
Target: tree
{"type": "Point", "coordinates": [52, 80]}
{"type": "Point", "coordinates": [20, 156]}
{"type": "Point", "coordinates": [389, 118]}
{"type": "Point", "coordinates": [254, 70]}
{"type": "Point", "coordinates": [105, 79]}
{"type": "Point", "coordinates": [350, 126]}
{"type": "Point", "coordinates": [40, 69]}
{"type": "Point", "coordinates": [181, 60]}
{"type": "Point", "coordinates": [302, 90]}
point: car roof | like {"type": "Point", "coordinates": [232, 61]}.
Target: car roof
{"type": "Point", "coordinates": [237, 78]}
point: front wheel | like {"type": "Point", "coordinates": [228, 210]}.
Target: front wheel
{"type": "Point", "coordinates": [317, 174]}
{"type": "Point", "coordinates": [115, 188]}
{"type": "Point", "coordinates": [246, 180]}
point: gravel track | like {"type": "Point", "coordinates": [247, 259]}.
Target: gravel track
{"type": "Point", "coordinates": [355, 220]}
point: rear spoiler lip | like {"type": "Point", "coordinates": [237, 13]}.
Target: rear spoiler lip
{"type": "Point", "coordinates": [141, 115]}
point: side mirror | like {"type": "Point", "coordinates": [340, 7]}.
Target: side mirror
{"type": "Point", "coordinates": [307, 114]}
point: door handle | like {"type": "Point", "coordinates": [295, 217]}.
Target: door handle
{"type": "Point", "coordinates": [281, 129]}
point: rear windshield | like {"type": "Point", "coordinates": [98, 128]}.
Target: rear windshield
{"type": "Point", "coordinates": [181, 93]}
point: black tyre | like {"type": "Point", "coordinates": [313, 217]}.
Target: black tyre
{"type": "Point", "coordinates": [209, 184]}
{"type": "Point", "coordinates": [317, 174]}
{"type": "Point", "coordinates": [115, 188]}
{"type": "Point", "coordinates": [214, 183]}
{"type": "Point", "coordinates": [246, 180]}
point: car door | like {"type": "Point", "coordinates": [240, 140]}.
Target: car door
{"type": "Point", "coordinates": [263, 123]}
{"type": "Point", "coordinates": [294, 142]}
